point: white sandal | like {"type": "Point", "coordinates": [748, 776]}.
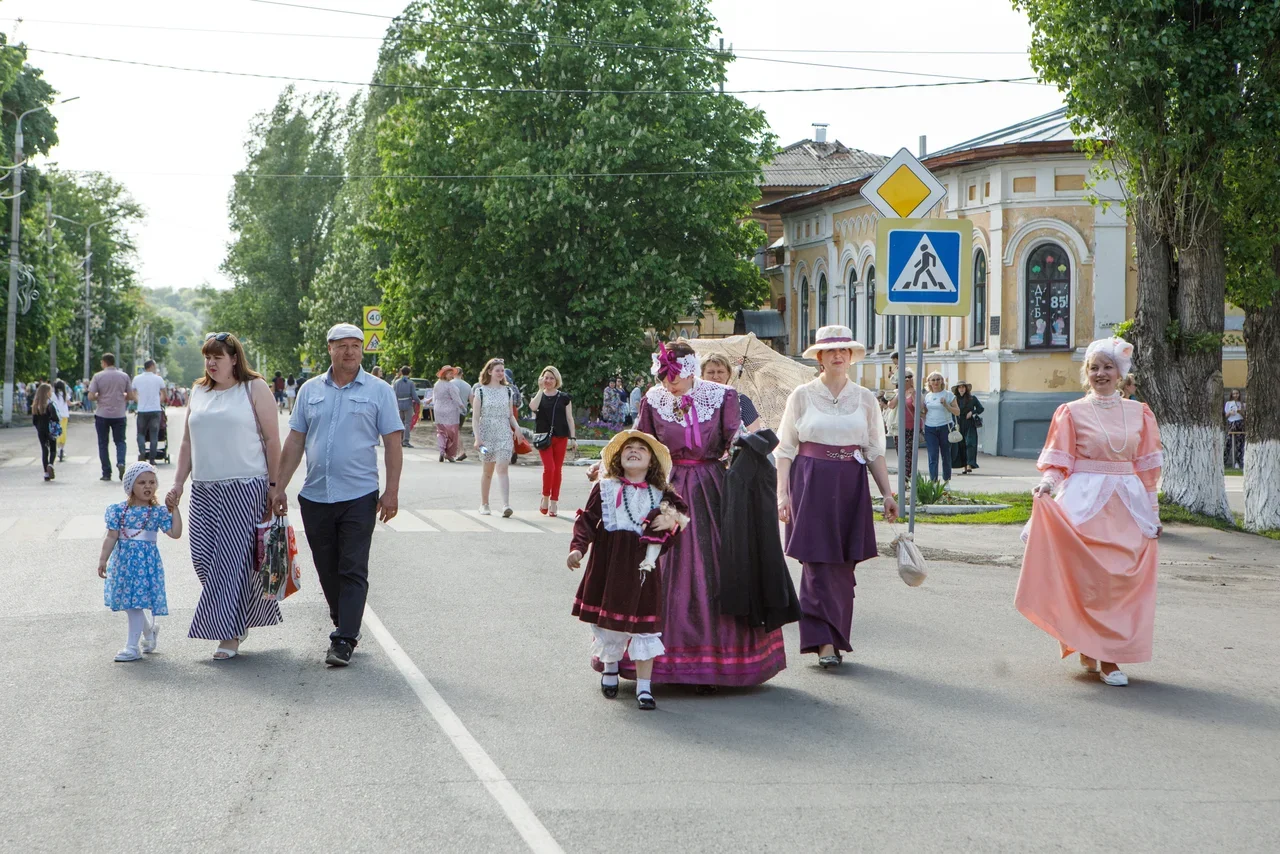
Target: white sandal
{"type": "Point", "coordinates": [127, 654]}
{"type": "Point", "coordinates": [150, 638]}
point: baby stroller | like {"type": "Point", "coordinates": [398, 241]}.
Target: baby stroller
{"type": "Point", "coordinates": [162, 444]}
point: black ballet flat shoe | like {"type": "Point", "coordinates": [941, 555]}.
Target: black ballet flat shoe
{"type": "Point", "coordinates": [826, 661]}
{"type": "Point", "coordinates": [646, 702]}
{"type": "Point", "coordinates": [610, 691]}
{"type": "Point", "coordinates": [705, 690]}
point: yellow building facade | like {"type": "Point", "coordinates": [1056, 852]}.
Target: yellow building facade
{"type": "Point", "coordinates": [1052, 271]}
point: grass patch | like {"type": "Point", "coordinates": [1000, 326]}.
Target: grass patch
{"type": "Point", "coordinates": [1234, 472]}
{"type": "Point", "coordinates": [589, 452]}
{"type": "Point", "coordinates": [1170, 512]}
{"type": "Point", "coordinates": [1017, 514]}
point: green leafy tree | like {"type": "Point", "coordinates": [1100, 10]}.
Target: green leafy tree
{"type": "Point", "coordinates": [1253, 284]}
{"type": "Point", "coordinates": [1170, 85]}
{"type": "Point", "coordinates": [282, 215]}
{"type": "Point", "coordinates": [115, 293]}
{"type": "Point", "coordinates": [571, 256]}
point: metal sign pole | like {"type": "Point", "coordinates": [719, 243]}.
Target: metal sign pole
{"type": "Point", "coordinates": [901, 322]}
{"type": "Point", "coordinates": [919, 422]}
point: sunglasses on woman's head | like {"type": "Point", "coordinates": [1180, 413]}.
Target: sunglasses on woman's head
{"type": "Point", "coordinates": [220, 337]}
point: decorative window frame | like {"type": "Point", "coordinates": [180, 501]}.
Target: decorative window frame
{"type": "Point", "coordinates": [1026, 239]}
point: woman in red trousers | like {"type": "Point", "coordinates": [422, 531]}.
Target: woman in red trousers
{"type": "Point", "coordinates": [553, 411]}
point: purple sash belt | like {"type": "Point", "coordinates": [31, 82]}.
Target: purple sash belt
{"type": "Point", "coordinates": [837, 453]}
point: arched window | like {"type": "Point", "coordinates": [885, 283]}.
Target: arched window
{"type": "Point", "coordinates": [979, 333]}
{"type": "Point", "coordinates": [853, 304]}
{"type": "Point", "coordinates": [871, 312]}
{"type": "Point", "coordinates": [804, 313]}
{"type": "Point", "coordinates": [822, 299]}
{"type": "Point", "coordinates": [1048, 298]}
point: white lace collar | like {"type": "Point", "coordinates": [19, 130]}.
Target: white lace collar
{"type": "Point", "coordinates": [707, 396]}
{"type": "Point", "coordinates": [640, 503]}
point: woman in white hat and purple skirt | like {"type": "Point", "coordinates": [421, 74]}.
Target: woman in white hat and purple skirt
{"type": "Point", "coordinates": [831, 435]}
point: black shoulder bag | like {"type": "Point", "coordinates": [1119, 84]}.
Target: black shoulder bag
{"type": "Point", "coordinates": [542, 441]}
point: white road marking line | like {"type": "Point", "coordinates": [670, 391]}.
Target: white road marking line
{"type": "Point", "coordinates": [453, 522]}
{"type": "Point", "coordinates": [6, 523]}
{"type": "Point", "coordinates": [526, 823]}
{"type": "Point", "coordinates": [405, 522]}
{"type": "Point", "coordinates": [506, 526]}
{"type": "Point", "coordinates": [557, 524]}
{"type": "Point", "coordinates": [19, 461]}
{"type": "Point", "coordinates": [83, 528]}
{"type": "Point", "coordinates": [74, 461]}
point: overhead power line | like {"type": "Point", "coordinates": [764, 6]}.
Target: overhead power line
{"type": "Point", "coordinates": [511, 91]}
{"type": "Point", "coordinates": [712, 52]}
{"type": "Point", "coordinates": [555, 41]}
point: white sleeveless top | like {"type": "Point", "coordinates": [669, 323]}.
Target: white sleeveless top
{"type": "Point", "coordinates": [224, 435]}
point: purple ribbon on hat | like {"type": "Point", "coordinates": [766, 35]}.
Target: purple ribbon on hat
{"type": "Point", "coordinates": [668, 364]}
{"type": "Point", "coordinates": [836, 340]}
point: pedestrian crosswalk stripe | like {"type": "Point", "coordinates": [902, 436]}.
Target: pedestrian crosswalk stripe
{"type": "Point", "coordinates": [19, 461]}
{"type": "Point", "coordinates": [405, 522]}
{"type": "Point", "coordinates": [33, 528]}
{"type": "Point", "coordinates": [507, 526]}
{"type": "Point", "coordinates": [76, 460]}
{"type": "Point", "coordinates": [559, 524]}
{"type": "Point", "coordinates": [55, 526]}
{"type": "Point", "coordinates": [83, 528]}
{"type": "Point", "coordinates": [453, 522]}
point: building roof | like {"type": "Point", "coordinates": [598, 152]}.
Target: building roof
{"type": "Point", "coordinates": [1051, 127]}
{"type": "Point", "coordinates": [816, 164]}
{"type": "Point", "coordinates": [1047, 134]}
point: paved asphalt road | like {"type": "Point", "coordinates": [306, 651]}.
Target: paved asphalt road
{"type": "Point", "coordinates": [472, 716]}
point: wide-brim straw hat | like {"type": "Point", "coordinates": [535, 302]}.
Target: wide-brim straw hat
{"type": "Point", "coordinates": [444, 372]}
{"type": "Point", "coordinates": [658, 449]}
{"type": "Point", "coordinates": [836, 338]}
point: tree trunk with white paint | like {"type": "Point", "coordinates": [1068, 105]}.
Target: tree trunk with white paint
{"type": "Point", "coordinates": [1180, 305]}
{"type": "Point", "coordinates": [1262, 415]}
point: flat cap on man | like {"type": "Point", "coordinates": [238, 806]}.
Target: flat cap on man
{"type": "Point", "coordinates": [344, 330]}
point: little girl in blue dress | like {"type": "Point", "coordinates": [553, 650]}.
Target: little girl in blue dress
{"type": "Point", "coordinates": [130, 560]}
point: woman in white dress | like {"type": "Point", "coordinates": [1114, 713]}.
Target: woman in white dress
{"type": "Point", "coordinates": [495, 429]}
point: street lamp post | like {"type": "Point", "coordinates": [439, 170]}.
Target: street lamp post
{"type": "Point", "coordinates": [88, 256]}
{"type": "Point", "coordinates": [11, 319]}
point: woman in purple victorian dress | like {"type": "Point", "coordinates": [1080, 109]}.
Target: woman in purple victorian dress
{"type": "Point", "coordinates": [697, 421]}
{"type": "Point", "coordinates": [830, 438]}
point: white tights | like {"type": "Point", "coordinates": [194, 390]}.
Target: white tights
{"type": "Point", "coordinates": [138, 623]}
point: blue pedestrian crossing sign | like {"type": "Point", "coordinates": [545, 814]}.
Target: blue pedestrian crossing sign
{"type": "Point", "coordinates": [927, 266]}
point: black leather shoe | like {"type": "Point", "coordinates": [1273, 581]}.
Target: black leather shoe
{"type": "Point", "coordinates": [646, 702]}
{"type": "Point", "coordinates": [610, 691]}
{"type": "Point", "coordinates": [705, 689]}
{"type": "Point", "coordinates": [339, 653]}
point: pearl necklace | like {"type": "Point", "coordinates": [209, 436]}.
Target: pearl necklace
{"type": "Point", "coordinates": [626, 503]}
{"type": "Point", "coordinates": [1096, 403]}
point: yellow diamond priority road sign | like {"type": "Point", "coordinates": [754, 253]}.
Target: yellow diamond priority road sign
{"type": "Point", "coordinates": [903, 188]}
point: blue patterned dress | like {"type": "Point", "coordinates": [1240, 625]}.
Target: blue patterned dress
{"type": "Point", "coordinates": [135, 576]}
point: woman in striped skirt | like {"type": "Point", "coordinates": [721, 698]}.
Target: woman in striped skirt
{"type": "Point", "coordinates": [231, 451]}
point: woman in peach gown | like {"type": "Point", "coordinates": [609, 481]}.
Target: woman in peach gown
{"type": "Point", "coordinates": [1089, 570]}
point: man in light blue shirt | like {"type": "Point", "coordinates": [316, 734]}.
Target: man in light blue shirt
{"type": "Point", "coordinates": [337, 420]}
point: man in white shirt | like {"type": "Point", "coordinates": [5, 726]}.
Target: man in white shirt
{"type": "Point", "coordinates": [147, 387]}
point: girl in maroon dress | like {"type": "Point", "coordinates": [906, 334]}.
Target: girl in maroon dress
{"type": "Point", "coordinates": [631, 516]}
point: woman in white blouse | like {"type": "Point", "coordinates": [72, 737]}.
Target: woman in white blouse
{"type": "Point", "coordinates": [831, 434]}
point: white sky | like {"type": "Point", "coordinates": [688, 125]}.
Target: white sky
{"type": "Point", "coordinates": [174, 138]}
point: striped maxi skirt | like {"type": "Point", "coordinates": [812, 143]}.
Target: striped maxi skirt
{"type": "Point", "coordinates": [223, 531]}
